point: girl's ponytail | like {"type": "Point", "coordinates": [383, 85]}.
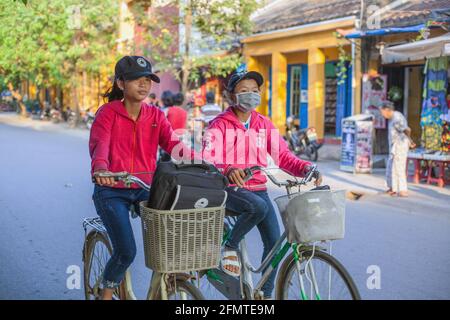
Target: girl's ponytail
{"type": "Point", "coordinates": [113, 93]}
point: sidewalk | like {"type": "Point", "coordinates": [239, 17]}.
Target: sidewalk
{"type": "Point", "coordinates": [422, 197]}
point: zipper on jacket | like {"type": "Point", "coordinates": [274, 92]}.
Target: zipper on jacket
{"type": "Point", "coordinates": [133, 147]}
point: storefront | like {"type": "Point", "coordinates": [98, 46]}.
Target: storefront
{"type": "Point", "coordinates": [434, 150]}
{"type": "Point", "coordinates": [301, 76]}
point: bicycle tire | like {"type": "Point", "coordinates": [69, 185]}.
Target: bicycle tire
{"type": "Point", "coordinates": [91, 241]}
{"type": "Point", "coordinates": [289, 264]}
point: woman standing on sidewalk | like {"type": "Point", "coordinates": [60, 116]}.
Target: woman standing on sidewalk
{"type": "Point", "coordinates": [230, 135]}
{"type": "Point", "coordinates": [124, 137]}
{"type": "Point", "coordinates": [399, 143]}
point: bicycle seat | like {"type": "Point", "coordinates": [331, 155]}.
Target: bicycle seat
{"type": "Point", "coordinates": [229, 213]}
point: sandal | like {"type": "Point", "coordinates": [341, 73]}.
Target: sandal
{"type": "Point", "coordinates": [226, 261]}
{"type": "Point", "coordinates": [390, 192]}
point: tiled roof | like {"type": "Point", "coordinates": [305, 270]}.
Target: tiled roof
{"type": "Point", "coordinates": [281, 14]}
{"type": "Point", "coordinates": [415, 12]}
{"type": "Point", "coordinates": [288, 13]}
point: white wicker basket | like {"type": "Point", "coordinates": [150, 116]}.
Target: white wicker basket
{"type": "Point", "coordinates": [182, 240]}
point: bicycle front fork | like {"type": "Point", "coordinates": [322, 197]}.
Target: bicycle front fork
{"type": "Point", "coordinates": [308, 268]}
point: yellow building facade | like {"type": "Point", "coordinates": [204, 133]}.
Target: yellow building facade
{"type": "Point", "coordinates": [278, 54]}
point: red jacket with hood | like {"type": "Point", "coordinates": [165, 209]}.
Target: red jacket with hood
{"type": "Point", "coordinates": [118, 143]}
{"type": "Point", "coordinates": [229, 145]}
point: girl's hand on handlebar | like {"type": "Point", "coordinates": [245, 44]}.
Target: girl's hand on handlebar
{"type": "Point", "coordinates": [318, 178]}
{"type": "Point", "coordinates": [236, 176]}
{"type": "Point", "coordinates": [104, 181]}
{"type": "Point", "coordinates": [316, 175]}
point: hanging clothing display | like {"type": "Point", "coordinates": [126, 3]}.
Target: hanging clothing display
{"type": "Point", "coordinates": [434, 102]}
{"type": "Point", "coordinates": [435, 85]}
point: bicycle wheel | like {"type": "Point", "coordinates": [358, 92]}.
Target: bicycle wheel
{"type": "Point", "coordinates": [333, 281]}
{"type": "Point", "coordinates": [97, 252]}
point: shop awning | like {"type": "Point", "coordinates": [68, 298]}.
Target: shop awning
{"type": "Point", "coordinates": [430, 48]}
{"type": "Point", "coordinates": [385, 31]}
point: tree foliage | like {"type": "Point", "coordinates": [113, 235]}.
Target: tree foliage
{"type": "Point", "coordinates": [209, 29]}
{"type": "Point", "coordinates": [49, 42]}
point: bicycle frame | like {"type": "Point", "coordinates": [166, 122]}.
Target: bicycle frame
{"type": "Point", "coordinates": [271, 262]}
{"type": "Point", "coordinates": [273, 259]}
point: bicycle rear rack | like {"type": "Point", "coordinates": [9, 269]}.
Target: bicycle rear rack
{"type": "Point", "coordinates": [95, 223]}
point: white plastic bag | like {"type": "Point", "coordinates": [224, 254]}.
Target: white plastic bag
{"type": "Point", "coordinates": [313, 216]}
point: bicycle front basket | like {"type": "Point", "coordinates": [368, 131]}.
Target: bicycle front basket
{"type": "Point", "coordinates": [182, 240]}
{"type": "Point", "coordinates": [313, 216]}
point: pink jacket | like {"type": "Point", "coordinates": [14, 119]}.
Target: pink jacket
{"type": "Point", "coordinates": [229, 145]}
{"type": "Point", "coordinates": [118, 143]}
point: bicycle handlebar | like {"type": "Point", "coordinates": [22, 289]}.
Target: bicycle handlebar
{"type": "Point", "coordinates": [124, 177]}
{"type": "Point", "coordinates": [251, 171]}
{"type": "Point", "coordinates": [128, 178]}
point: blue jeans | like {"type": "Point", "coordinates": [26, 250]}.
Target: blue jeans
{"type": "Point", "coordinates": [256, 209]}
{"type": "Point", "coordinates": [113, 205]}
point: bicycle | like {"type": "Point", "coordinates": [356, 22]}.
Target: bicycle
{"type": "Point", "coordinates": [96, 252]}
{"type": "Point", "coordinates": [325, 274]}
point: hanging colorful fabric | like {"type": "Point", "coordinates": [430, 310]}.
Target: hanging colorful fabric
{"type": "Point", "coordinates": [432, 137]}
{"type": "Point", "coordinates": [435, 85]}
{"type": "Point", "coordinates": [445, 137]}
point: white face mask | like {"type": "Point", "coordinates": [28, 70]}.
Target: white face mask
{"type": "Point", "coordinates": [248, 101]}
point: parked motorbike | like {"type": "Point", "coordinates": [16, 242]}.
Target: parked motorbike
{"type": "Point", "coordinates": [88, 118]}
{"type": "Point", "coordinates": [72, 118]}
{"type": "Point", "coordinates": [56, 115]}
{"type": "Point", "coordinates": [302, 141]}
{"type": "Point", "coordinates": [45, 114]}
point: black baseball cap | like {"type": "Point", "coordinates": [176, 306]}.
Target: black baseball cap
{"type": "Point", "coordinates": [242, 75]}
{"type": "Point", "coordinates": [133, 67]}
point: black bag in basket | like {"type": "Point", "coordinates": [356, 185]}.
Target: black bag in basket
{"type": "Point", "coordinates": [187, 186]}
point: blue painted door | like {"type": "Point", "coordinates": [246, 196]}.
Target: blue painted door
{"type": "Point", "coordinates": [297, 93]}
{"type": "Point", "coordinates": [344, 100]}
{"type": "Point", "coordinates": [304, 96]}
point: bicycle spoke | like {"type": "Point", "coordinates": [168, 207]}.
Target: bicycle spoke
{"type": "Point", "coordinates": [329, 282]}
{"type": "Point", "coordinates": [99, 258]}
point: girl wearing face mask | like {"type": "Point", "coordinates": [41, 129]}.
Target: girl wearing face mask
{"type": "Point", "coordinates": [240, 138]}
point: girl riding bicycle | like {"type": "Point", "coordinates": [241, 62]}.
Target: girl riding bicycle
{"type": "Point", "coordinates": [239, 138]}
{"type": "Point", "coordinates": [124, 137]}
